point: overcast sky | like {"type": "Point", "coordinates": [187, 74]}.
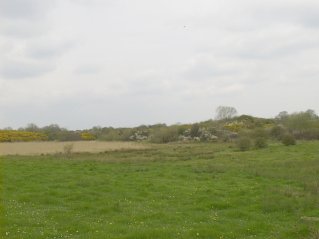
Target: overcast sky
{"type": "Point", "coordinates": [83, 63]}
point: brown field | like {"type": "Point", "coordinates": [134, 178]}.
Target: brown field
{"type": "Point", "coordinates": [36, 148]}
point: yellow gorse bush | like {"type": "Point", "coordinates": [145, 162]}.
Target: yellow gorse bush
{"type": "Point", "coordinates": [21, 136]}
{"type": "Point", "coordinates": [234, 126]}
{"type": "Point", "coordinates": [87, 136]}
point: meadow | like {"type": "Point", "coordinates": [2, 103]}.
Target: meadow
{"type": "Point", "coordinates": [190, 190]}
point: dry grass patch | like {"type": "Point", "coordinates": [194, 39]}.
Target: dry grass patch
{"type": "Point", "coordinates": [37, 148]}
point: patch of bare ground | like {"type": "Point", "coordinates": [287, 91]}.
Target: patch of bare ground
{"type": "Point", "coordinates": [37, 148]}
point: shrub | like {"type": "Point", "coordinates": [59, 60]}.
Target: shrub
{"type": "Point", "coordinates": [87, 136]}
{"type": "Point", "coordinates": [243, 143]}
{"type": "Point", "coordinates": [277, 132]}
{"type": "Point", "coordinates": [288, 139]}
{"type": "Point", "coordinates": [234, 126]}
{"type": "Point", "coordinates": [195, 132]}
{"type": "Point", "coordinates": [165, 135]}
{"type": "Point", "coordinates": [260, 142]}
{"type": "Point", "coordinates": [67, 149]}
{"type": "Point", "coordinates": [260, 133]}
{"type": "Point", "coordinates": [307, 134]}
{"type": "Point", "coordinates": [21, 136]}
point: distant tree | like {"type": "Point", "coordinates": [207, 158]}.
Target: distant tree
{"type": "Point", "coordinates": [53, 131]}
{"type": "Point", "coordinates": [302, 120]}
{"type": "Point", "coordinates": [225, 112]}
{"type": "Point", "coordinates": [97, 131]}
{"type": "Point", "coordinates": [303, 125]}
{"type": "Point", "coordinates": [312, 114]}
{"type": "Point", "coordinates": [32, 128]}
{"type": "Point", "coordinates": [282, 115]}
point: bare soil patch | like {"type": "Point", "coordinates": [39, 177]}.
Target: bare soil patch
{"type": "Point", "coordinates": [36, 148]}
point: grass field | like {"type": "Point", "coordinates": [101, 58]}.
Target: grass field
{"type": "Point", "coordinates": [167, 191]}
{"type": "Point", "coordinates": [36, 148]}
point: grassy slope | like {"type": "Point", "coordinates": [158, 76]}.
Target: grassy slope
{"type": "Point", "coordinates": [172, 191]}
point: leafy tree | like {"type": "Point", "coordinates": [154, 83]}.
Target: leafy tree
{"type": "Point", "coordinates": [52, 131]}
{"type": "Point", "coordinates": [282, 116]}
{"type": "Point", "coordinates": [302, 120]}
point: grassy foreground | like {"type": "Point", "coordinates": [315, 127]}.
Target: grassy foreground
{"type": "Point", "coordinates": [169, 191]}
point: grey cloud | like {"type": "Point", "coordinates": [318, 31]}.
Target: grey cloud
{"type": "Point", "coordinates": [87, 70]}
{"type": "Point", "coordinates": [206, 67]}
{"type": "Point", "coordinates": [270, 51]}
{"type": "Point", "coordinates": [44, 50]}
{"type": "Point", "coordinates": [25, 18]}
{"type": "Point", "coordinates": [24, 9]}
{"type": "Point", "coordinates": [21, 70]}
{"type": "Point", "coordinates": [147, 88]}
{"type": "Point", "coordinates": [206, 71]}
{"type": "Point", "coordinates": [298, 13]}
{"type": "Point", "coordinates": [23, 29]}
{"type": "Point", "coordinates": [246, 15]}
{"type": "Point", "coordinates": [90, 2]}
{"type": "Point", "coordinates": [311, 19]}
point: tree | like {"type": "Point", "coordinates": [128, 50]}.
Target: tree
{"type": "Point", "coordinates": [225, 112]}
{"type": "Point", "coordinates": [282, 116]}
{"type": "Point", "coordinates": [32, 128]}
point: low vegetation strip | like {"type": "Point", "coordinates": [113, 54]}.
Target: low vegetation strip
{"type": "Point", "coordinates": [185, 191]}
{"type": "Point", "coordinates": [21, 136]}
{"type": "Point", "coordinates": [36, 148]}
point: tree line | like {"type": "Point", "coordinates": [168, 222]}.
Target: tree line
{"type": "Point", "coordinates": [226, 126]}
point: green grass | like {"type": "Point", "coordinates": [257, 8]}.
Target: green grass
{"type": "Point", "coordinates": [169, 191]}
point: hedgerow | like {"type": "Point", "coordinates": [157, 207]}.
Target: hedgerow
{"type": "Point", "coordinates": [21, 136]}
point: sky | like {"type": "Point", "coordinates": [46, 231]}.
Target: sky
{"type": "Point", "coordinates": [124, 63]}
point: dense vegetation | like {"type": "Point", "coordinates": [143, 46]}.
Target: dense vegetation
{"type": "Point", "coordinates": [189, 190]}
{"type": "Point", "coordinates": [248, 130]}
{"type": "Point", "coordinates": [21, 136]}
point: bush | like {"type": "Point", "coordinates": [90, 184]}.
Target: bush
{"type": "Point", "coordinates": [260, 142]}
{"type": "Point", "coordinates": [195, 132]}
{"type": "Point", "coordinates": [288, 139]}
{"type": "Point", "coordinates": [243, 143]}
{"type": "Point", "coordinates": [87, 136]}
{"type": "Point", "coordinates": [165, 135]}
{"type": "Point", "coordinates": [260, 133]}
{"type": "Point", "coordinates": [21, 136]}
{"type": "Point", "coordinates": [307, 134]}
{"type": "Point", "coordinates": [68, 149]}
{"type": "Point", "coordinates": [277, 132]}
